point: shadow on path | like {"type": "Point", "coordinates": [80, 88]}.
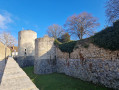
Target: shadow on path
{"type": "Point", "coordinates": [2, 67]}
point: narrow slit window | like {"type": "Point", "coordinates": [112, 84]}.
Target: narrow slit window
{"type": "Point", "coordinates": [25, 51]}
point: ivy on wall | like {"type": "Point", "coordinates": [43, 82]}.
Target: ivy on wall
{"type": "Point", "coordinates": [65, 47]}
{"type": "Point", "coordinates": [108, 38]}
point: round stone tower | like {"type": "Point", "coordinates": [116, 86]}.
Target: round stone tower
{"type": "Point", "coordinates": [45, 55]}
{"type": "Point", "coordinates": [44, 48]}
{"type": "Point", "coordinates": [26, 43]}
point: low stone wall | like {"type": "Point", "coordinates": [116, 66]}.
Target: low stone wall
{"type": "Point", "coordinates": [14, 78]}
{"type": "Point", "coordinates": [91, 64]}
{"type": "Point", "coordinates": [25, 61]}
{"type": "Point", "coordinates": [91, 52]}
{"type": "Point", "coordinates": [44, 66]}
{"type": "Point", "coordinates": [98, 71]}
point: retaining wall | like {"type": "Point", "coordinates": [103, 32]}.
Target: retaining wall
{"type": "Point", "coordinates": [91, 64]}
{"type": "Point", "coordinates": [97, 71]}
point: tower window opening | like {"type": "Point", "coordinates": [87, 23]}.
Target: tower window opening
{"type": "Point", "coordinates": [25, 51]}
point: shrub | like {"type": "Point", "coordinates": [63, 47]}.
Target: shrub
{"type": "Point", "coordinates": [67, 47]}
{"type": "Point", "coordinates": [108, 38]}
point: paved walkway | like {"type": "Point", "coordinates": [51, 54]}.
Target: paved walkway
{"type": "Point", "coordinates": [14, 78]}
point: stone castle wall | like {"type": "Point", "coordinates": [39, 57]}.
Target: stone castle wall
{"type": "Point", "coordinates": [91, 64]}
{"type": "Point", "coordinates": [105, 72]}
{"type": "Point", "coordinates": [44, 48]}
{"type": "Point", "coordinates": [44, 55]}
{"type": "Point", "coordinates": [26, 43]}
{"type": "Point", "coordinates": [25, 61]}
{"type": "Point", "coordinates": [26, 48]}
{"type": "Point", "coordinates": [92, 52]}
{"type": "Point", "coordinates": [2, 51]}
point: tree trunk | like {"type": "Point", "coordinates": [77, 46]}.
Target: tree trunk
{"type": "Point", "coordinates": [81, 33]}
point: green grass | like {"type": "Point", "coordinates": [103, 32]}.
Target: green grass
{"type": "Point", "coordinates": [57, 81]}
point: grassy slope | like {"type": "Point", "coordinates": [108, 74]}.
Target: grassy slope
{"type": "Point", "coordinates": [60, 82]}
{"type": "Point", "coordinates": [108, 38]}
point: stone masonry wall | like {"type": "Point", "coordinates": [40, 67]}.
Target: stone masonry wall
{"type": "Point", "coordinates": [25, 61]}
{"type": "Point", "coordinates": [91, 64]}
{"type": "Point", "coordinates": [44, 55]}
{"type": "Point", "coordinates": [97, 71]}
{"type": "Point", "coordinates": [92, 52]}
{"type": "Point", "coordinates": [26, 48]}
{"type": "Point", "coordinates": [26, 43]}
{"type": "Point", "coordinates": [2, 51]}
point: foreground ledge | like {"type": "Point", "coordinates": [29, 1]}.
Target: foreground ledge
{"type": "Point", "coordinates": [14, 78]}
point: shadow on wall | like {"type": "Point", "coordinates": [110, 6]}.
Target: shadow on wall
{"type": "Point", "coordinates": [45, 62]}
{"type": "Point", "coordinates": [4, 52]}
{"type": "Point", "coordinates": [25, 61]}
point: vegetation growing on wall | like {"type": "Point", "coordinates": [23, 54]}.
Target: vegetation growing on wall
{"type": "Point", "coordinates": [108, 38]}
{"type": "Point", "coordinates": [84, 42]}
{"type": "Point", "coordinates": [57, 43]}
{"type": "Point", "coordinates": [65, 47]}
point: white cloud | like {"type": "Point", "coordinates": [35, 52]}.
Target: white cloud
{"type": "Point", "coordinates": [5, 19]}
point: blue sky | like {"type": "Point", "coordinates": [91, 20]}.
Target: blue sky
{"type": "Point", "coordinates": [39, 14]}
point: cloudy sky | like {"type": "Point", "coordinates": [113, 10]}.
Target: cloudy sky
{"type": "Point", "coordinates": [37, 15]}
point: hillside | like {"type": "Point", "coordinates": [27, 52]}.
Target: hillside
{"type": "Point", "coordinates": [107, 38]}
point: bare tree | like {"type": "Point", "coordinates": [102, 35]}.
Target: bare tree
{"type": "Point", "coordinates": [112, 10]}
{"type": "Point", "coordinates": [82, 24]}
{"type": "Point", "coordinates": [8, 40]}
{"type": "Point", "coordinates": [55, 31]}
